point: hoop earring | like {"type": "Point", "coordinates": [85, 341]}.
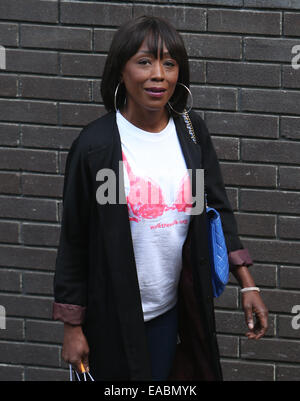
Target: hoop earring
{"type": "Point", "coordinates": [191, 106]}
{"type": "Point", "coordinates": [115, 96]}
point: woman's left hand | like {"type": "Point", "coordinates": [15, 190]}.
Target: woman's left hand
{"type": "Point", "coordinates": [253, 303]}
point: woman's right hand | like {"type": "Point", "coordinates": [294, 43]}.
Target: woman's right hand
{"type": "Point", "coordinates": [75, 348]}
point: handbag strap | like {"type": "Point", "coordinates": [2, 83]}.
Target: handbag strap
{"type": "Point", "coordinates": [189, 125]}
{"type": "Point", "coordinates": [191, 131]}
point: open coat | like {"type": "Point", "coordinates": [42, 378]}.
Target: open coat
{"type": "Point", "coordinates": [96, 281]}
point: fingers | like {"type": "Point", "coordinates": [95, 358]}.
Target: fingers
{"type": "Point", "coordinates": [260, 327]}
{"type": "Point", "coordinates": [249, 316]}
{"type": "Point", "coordinates": [85, 363]}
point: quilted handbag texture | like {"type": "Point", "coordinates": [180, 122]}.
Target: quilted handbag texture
{"type": "Point", "coordinates": [217, 252]}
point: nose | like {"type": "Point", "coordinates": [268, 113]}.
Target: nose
{"type": "Point", "coordinates": [158, 72]}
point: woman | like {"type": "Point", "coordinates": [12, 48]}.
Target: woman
{"type": "Point", "coordinates": [133, 281]}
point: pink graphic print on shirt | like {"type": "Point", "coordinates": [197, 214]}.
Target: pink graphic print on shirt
{"type": "Point", "coordinates": [145, 199]}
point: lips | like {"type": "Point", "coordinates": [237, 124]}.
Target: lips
{"type": "Point", "coordinates": [155, 91]}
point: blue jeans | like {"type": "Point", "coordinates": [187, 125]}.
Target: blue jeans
{"type": "Point", "coordinates": [162, 339]}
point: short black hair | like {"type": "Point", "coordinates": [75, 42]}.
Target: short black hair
{"type": "Point", "coordinates": [126, 42]}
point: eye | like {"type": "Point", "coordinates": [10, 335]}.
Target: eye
{"type": "Point", "coordinates": [170, 63]}
{"type": "Point", "coordinates": [143, 61]}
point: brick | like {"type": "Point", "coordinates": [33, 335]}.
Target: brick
{"type": "Point", "coordinates": [239, 124]}
{"type": "Point", "coordinates": [33, 61]}
{"type": "Point", "coordinates": [14, 330]}
{"type": "Point", "coordinates": [270, 151]}
{"type": "Point", "coordinates": [279, 101]}
{"type": "Point", "coordinates": [28, 111]}
{"type": "Point", "coordinates": [289, 227]}
{"type": "Point", "coordinates": [269, 201]}
{"type": "Point", "coordinates": [233, 21]}
{"type": "Point", "coordinates": [289, 277]}
{"type": "Point", "coordinates": [291, 24]}
{"type": "Point", "coordinates": [288, 4]}
{"type": "Point", "coordinates": [27, 306]}
{"type": "Point", "coordinates": [271, 251]}
{"type": "Point", "coordinates": [228, 299]}
{"type": "Point", "coordinates": [184, 18]}
{"type": "Point", "coordinates": [12, 373]}
{"type": "Point", "coordinates": [214, 98]}
{"type": "Point", "coordinates": [247, 371]}
{"type": "Point", "coordinates": [56, 37]}
{"type": "Point", "coordinates": [25, 159]}
{"type": "Point", "coordinates": [28, 208]}
{"type": "Point", "coordinates": [55, 88]}
{"type": "Point", "coordinates": [9, 34]}
{"type": "Point", "coordinates": [232, 194]}
{"type": "Point", "coordinates": [29, 354]}
{"type": "Point", "coordinates": [73, 12]}
{"type": "Point", "coordinates": [8, 85]}
{"type": "Point", "coordinates": [40, 234]}
{"type": "Point", "coordinates": [235, 323]}
{"type": "Point", "coordinates": [9, 134]}
{"type": "Point", "coordinates": [228, 346]}
{"type": "Point", "coordinates": [9, 232]}
{"type": "Point", "coordinates": [280, 301]}
{"type": "Point", "coordinates": [212, 46]}
{"type": "Point", "coordinates": [197, 71]}
{"type": "Point", "coordinates": [31, 10]}
{"type": "Point", "coordinates": [290, 127]}
{"type": "Point", "coordinates": [42, 185]}
{"type": "Point", "coordinates": [102, 39]}
{"type": "Point", "coordinates": [244, 74]}
{"type": "Point", "coordinates": [268, 49]}
{"type": "Point", "coordinates": [226, 148]}
{"type": "Point", "coordinates": [256, 224]}
{"type": "Point", "coordinates": [204, 2]}
{"type": "Point", "coordinates": [79, 114]}
{"type": "Point", "coordinates": [26, 257]}
{"type": "Point", "coordinates": [46, 374]}
{"type": "Point", "coordinates": [90, 65]}
{"type": "Point", "coordinates": [285, 328]}
{"type": "Point", "coordinates": [97, 98]}
{"type": "Point", "coordinates": [290, 77]}
{"type": "Point", "coordinates": [271, 349]}
{"type": "Point", "coordinates": [249, 175]}
{"type": "Point", "coordinates": [287, 373]}
{"type": "Point", "coordinates": [42, 331]}
{"type": "Point", "coordinates": [10, 280]}
{"type": "Point", "coordinates": [37, 283]}
{"type": "Point", "coordinates": [48, 137]}
{"type": "Point", "coordinates": [10, 183]}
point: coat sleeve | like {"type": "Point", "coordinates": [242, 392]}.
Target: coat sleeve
{"type": "Point", "coordinates": [217, 197]}
{"type": "Point", "coordinates": [70, 280]}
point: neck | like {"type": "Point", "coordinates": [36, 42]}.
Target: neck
{"type": "Point", "coordinates": [147, 120]}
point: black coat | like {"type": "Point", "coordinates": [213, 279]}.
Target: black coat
{"type": "Point", "coordinates": [96, 281]}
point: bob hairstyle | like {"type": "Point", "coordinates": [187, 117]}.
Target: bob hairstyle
{"type": "Point", "coordinates": [126, 42]}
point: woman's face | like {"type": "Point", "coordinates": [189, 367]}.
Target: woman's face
{"type": "Point", "coordinates": [150, 82]}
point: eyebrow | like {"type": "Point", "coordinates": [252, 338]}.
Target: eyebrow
{"type": "Point", "coordinates": [150, 52]}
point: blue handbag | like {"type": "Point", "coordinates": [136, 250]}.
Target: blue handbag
{"type": "Point", "coordinates": [217, 246]}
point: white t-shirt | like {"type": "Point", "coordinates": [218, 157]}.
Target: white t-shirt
{"type": "Point", "coordinates": [157, 188]}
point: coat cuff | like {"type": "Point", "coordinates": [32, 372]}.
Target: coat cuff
{"type": "Point", "coordinates": [71, 314]}
{"type": "Point", "coordinates": [241, 257]}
